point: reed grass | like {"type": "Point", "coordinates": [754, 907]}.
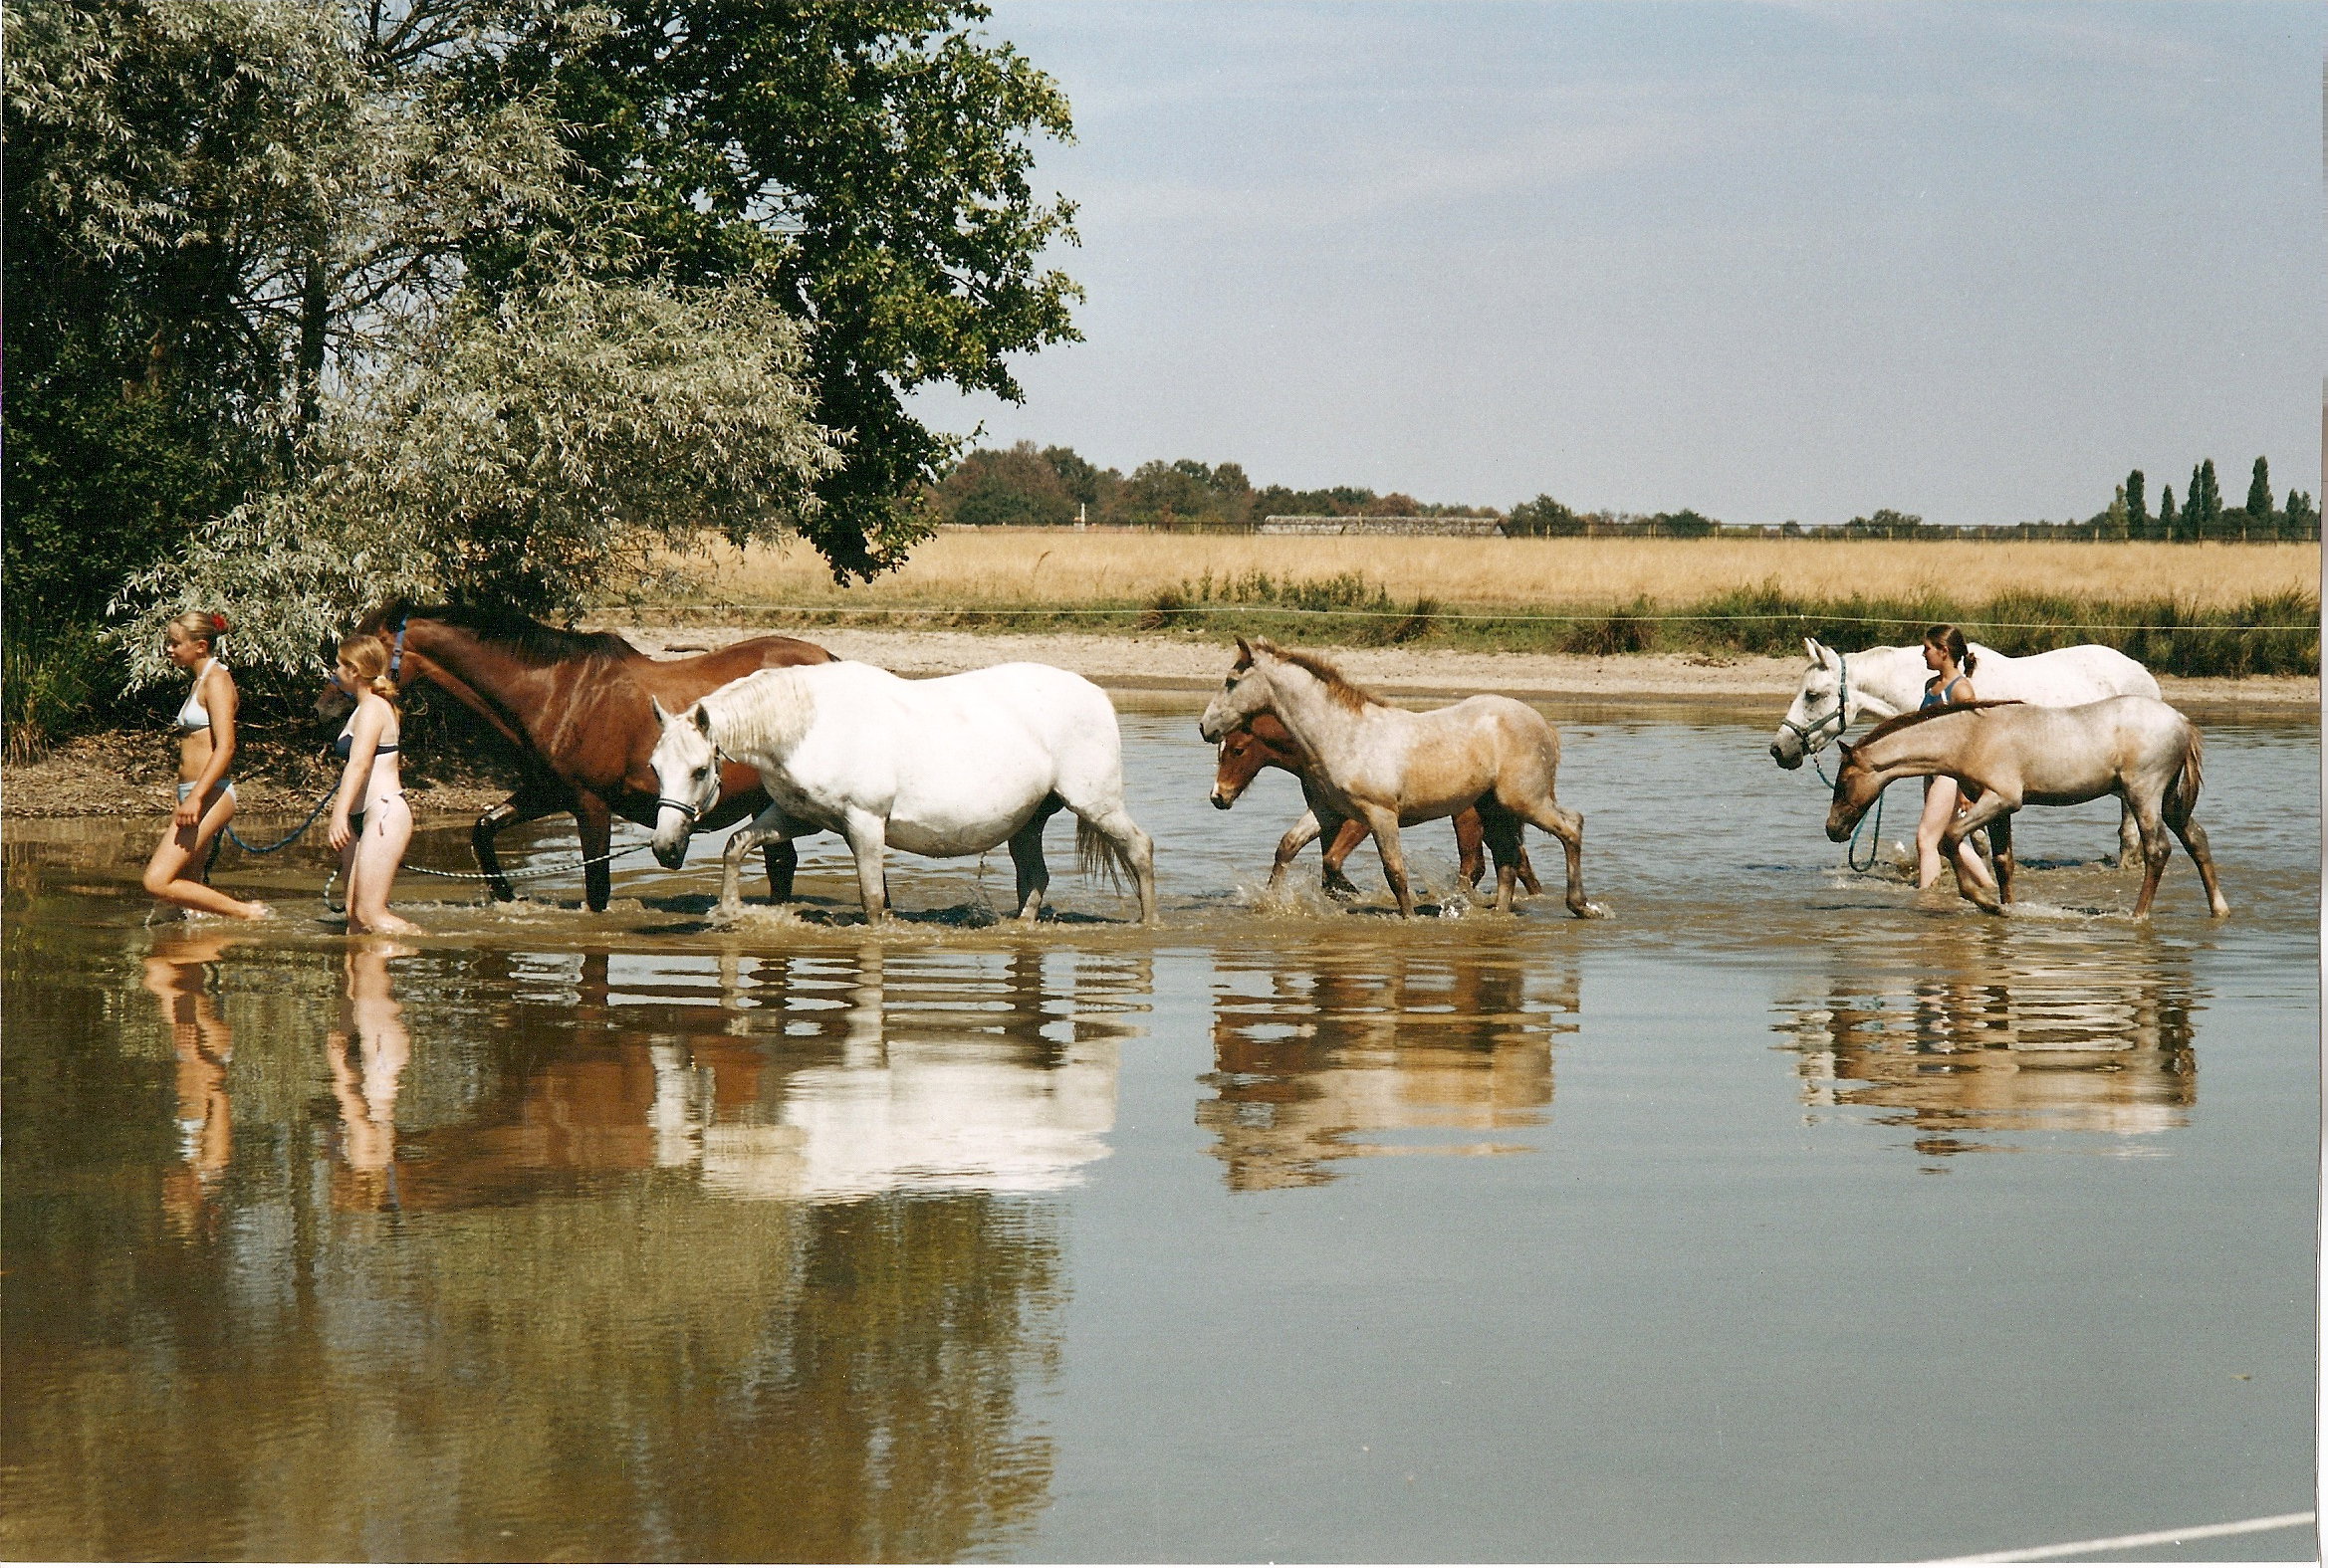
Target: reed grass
{"type": "Point", "coordinates": [2206, 609]}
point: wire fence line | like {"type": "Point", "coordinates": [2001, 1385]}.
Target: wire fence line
{"type": "Point", "coordinates": [1174, 611]}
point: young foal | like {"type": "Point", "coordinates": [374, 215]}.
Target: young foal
{"type": "Point", "coordinates": [2017, 753]}
{"type": "Point", "coordinates": [1384, 765]}
{"type": "Point", "coordinates": [1263, 742]}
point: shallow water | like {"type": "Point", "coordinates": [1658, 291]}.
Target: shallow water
{"type": "Point", "coordinates": [1782, 1215]}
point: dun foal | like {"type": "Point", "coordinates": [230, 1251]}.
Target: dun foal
{"type": "Point", "coordinates": [1263, 742]}
{"type": "Point", "coordinates": [1384, 765]}
{"type": "Point", "coordinates": [2017, 753]}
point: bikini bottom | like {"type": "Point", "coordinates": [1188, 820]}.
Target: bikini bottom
{"type": "Point", "coordinates": [186, 787]}
{"type": "Point", "coordinates": [355, 819]}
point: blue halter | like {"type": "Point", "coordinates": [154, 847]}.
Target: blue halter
{"type": "Point", "coordinates": [396, 654]}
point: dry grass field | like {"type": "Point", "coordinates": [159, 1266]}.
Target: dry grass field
{"type": "Point", "coordinates": [1058, 568]}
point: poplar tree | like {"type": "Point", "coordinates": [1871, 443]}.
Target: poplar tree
{"type": "Point", "coordinates": [2137, 507]}
{"type": "Point", "coordinates": [2259, 498]}
{"type": "Point", "coordinates": [2168, 522]}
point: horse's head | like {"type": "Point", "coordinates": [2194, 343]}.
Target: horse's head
{"type": "Point", "coordinates": [1819, 711]}
{"type": "Point", "coordinates": [1261, 742]}
{"type": "Point", "coordinates": [1243, 692]}
{"type": "Point", "coordinates": [1856, 786]}
{"type": "Point", "coordinates": [687, 778]}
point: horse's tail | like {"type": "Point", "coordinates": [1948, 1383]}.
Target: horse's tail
{"type": "Point", "coordinates": [2193, 774]}
{"type": "Point", "coordinates": [1098, 855]}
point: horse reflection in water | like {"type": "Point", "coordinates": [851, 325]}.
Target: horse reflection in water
{"type": "Point", "coordinates": [1329, 1055]}
{"type": "Point", "coordinates": [178, 972]}
{"type": "Point", "coordinates": [1988, 1037]}
{"type": "Point", "coordinates": [810, 1076]}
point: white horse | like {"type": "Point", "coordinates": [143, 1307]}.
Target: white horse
{"type": "Point", "coordinates": [1840, 689]}
{"type": "Point", "coordinates": [947, 767]}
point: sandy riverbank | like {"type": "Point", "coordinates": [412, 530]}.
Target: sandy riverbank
{"type": "Point", "coordinates": [125, 774]}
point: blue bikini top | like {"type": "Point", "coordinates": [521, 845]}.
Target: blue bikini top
{"type": "Point", "coordinates": [1937, 697]}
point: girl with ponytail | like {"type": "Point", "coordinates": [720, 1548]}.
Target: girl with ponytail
{"type": "Point", "coordinates": [206, 746]}
{"type": "Point", "coordinates": [1951, 661]}
{"type": "Point", "coordinates": [371, 823]}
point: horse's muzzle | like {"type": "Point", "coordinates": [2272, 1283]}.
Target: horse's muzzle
{"type": "Point", "coordinates": [1790, 760]}
{"type": "Point", "coordinates": [1221, 802]}
{"type": "Point", "coordinates": [673, 856]}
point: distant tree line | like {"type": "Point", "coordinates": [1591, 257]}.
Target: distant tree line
{"type": "Point", "coordinates": [2203, 513]}
{"type": "Point", "coordinates": [1029, 486]}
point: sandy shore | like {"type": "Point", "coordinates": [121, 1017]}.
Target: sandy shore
{"type": "Point", "coordinates": [129, 775]}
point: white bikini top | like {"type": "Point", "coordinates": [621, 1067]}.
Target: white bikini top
{"type": "Point", "coordinates": [194, 716]}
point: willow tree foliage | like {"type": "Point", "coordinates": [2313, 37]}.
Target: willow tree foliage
{"type": "Point", "coordinates": [521, 452]}
{"type": "Point", "coordinates": [262, 255]}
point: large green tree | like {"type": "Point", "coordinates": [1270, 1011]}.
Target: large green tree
{"type": "Point", "coordinates": [866, 162]}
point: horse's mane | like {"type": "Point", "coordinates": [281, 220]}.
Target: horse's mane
{"type": "Point", "coordinates": [1902, 721]}
{"type": "Point", "coordinates": [522, 635]}
{"type": "Point", "coordinates": [1337, 686]}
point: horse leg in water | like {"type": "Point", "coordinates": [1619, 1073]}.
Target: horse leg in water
{"type": "Point", "coordinates": [1027, 860]}
{"type": "Point", "coordinates": [2177, 813]}
{"type": "Point", "coordinates": [1503, 833]}
{"type": "Point", "coordinates": [1565, 825]}
{"type": "Point", "coordinates": [1469, 862]}
{"type": "Point", "coordinates": [2129, 838]}
{"type": "Point", "coordinates": [595, 823]}
{"type": "Point", "coordinates": [868, 842]}
{"type": "Point", "coordinates": [768, 826]}
{"type": "Point", "coordinates": [1995, 806]}
{"type": "Point", "coordinates": [1298, 837]}
{"type": "Point", "coordinates": [2000, 848]}
{"type": "Point", "coordinates": [1344, 835]}
{"type": "Point", "coordinates": [783, 860]}
{"type": "Point", "coordinates": [1382, 822]}
{"type": "Point", "coordinates": [524, 807]}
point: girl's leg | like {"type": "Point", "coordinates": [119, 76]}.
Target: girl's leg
{"type": "Point", "coordinates": [1939, 810]}
{"type": "Point", "coordinates": [387, 830]}
{"type": "Point", "coordinates": [181, 847]}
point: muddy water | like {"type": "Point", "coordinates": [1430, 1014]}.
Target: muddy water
{"type": "Point", "coordinates": [1782, 1215]}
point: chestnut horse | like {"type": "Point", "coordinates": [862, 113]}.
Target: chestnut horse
{"type": "Point", "coordinates": [1263, 742]}
{"type": "Point", "coordinates": [579, 708]}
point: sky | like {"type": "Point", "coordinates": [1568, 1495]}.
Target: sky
{"type": "Point", "coordinates": [1766, 261]}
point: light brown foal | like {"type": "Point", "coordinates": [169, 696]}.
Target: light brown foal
{"type": "Point", "coordinates": [1261, 742]}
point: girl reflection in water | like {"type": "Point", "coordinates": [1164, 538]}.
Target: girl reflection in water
{"type": "Point", "coordinates": [371, 823]}
{"type": "Point", "coordinates": [371, 1021]}
{"type": "Point", "coordinates": [178, 972]}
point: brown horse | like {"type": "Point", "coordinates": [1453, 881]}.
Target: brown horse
{"type": "Point", "coordinates": [1263, 742]}
{"type": "Point", "coordinates": [578, 706]}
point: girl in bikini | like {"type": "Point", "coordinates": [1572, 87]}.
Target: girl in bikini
{"type": "Point", "coordinates": [206, 742]}
{"type": "Point", "coordinates": [371, 823]}
{"type": "Point", "coordinates": [1951, 663]}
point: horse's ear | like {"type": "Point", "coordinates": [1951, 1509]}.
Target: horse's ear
{"type": "Point", "coordinates": [1244, 653]}
{"type": "Point", "coordinates": [662, 714]}
{"type": "Point", "coordinates": [1817, 651]}
{"type": "Point", "coordinates": [1844, 749]}
{"type": "Point", "coordinates": [703, 721]}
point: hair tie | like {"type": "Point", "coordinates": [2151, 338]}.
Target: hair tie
{"type": "Point", "coordinates": [217, 621]}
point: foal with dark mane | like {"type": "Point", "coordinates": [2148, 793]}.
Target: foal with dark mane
{"type": "Point", "coordinates": [579, 708]}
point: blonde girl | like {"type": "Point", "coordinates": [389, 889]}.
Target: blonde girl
{"type": "Point", "coordinates": [206, 745]}
{"type": "Point", "coordinates": [1951, 661]}
{"type": "Point", "coordinates": [371, 823]}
